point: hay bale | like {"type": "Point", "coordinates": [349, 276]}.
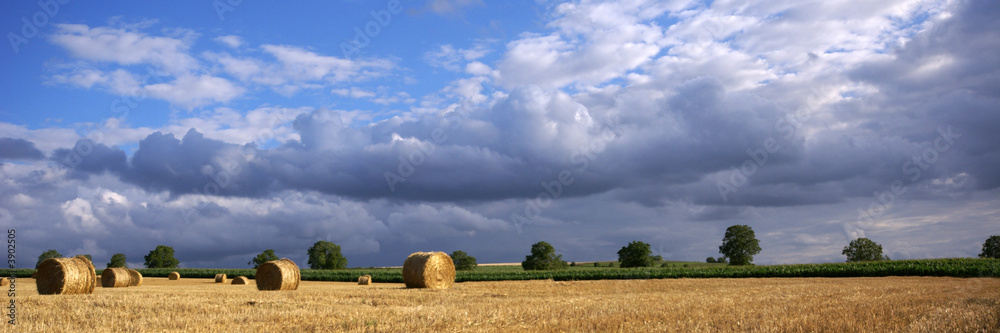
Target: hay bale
{"type": "Point", "coordinates": [174, 276]}
{"type": "Point", "coordinates": [66, 276]}
{"type": "Point", "coordinates": [118, 277]}
{"type": "Point", "coordinates": [34, 275]}
{"type": "Point", "coordinates": [365, 280]}
{"type": "Point", "coordinates": [433, 270]}
{"type": "Point", "coordinates": [136, 278]}
{"type": "Point", "coordinates": [281, 274]}
{"type": "Point", "coordinates": [241, 280]}
{"type": "Point", "coordinates": [220, 278]}
{"type": "Point", "coordinates": [4, 282]}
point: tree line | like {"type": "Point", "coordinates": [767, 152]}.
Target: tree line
{"type": "Point", "coordinates": [739, 246]}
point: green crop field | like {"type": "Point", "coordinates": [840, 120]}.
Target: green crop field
{"type": "Point", "coordinates": [958, 267]}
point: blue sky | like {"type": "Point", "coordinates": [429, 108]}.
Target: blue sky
{"type": "Point", "coordinates": [488, 126]}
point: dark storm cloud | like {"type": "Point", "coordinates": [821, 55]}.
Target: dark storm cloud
{"type": "Point", "coordinates": [19, 149]}
{"type": "Point", "coordinates": [87, 157]}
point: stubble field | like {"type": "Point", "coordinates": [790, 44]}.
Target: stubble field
{"type": "Point", "coordinates": [907, 304]}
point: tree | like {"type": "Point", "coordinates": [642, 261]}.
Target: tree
{"type": "Point", "coordinates": [161, 257]}
{"type": "Point", "coordinates": [739, 245]}
{"type": "Point", "coordinates": [657, 258]}
{"type": "Point", "coordinates": [47, 255]}
{"type": "Point", "coordinates": [117, 260]}
{"type": "Point", "coordinates": [326, 255]}
{"type": "Point", "coordinates": [543, 256]}
{"type": "Point", "coordinates": [710, 260]}
{"type": "Point", "coordinates": [863, 249]}
{"type": "Point", "coordinates": [720, 260]}
{"type": "Point", "coordinates": [991, 249]}
{"type": "Point", "coordinates": [463, 261]}
{"type": "Point", "coordinates": [635, 254]}
{"type": "Point", "coordinates": [263, 257]}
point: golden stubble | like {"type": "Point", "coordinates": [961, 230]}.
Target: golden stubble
{"type": "Point", "coordinates": [930, 304]}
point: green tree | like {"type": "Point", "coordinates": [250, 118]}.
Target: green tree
{"type": "Point", "coordinates": [263, 257]}
{"type": "Point", "coordinates": [863, 249]}
{"type": "Point", "coordinates": [326, 255]}
{"type": "Point", "coordinates": [739, 245]}
{"type": "Point", "coordinates": [635, 254]}
{"type": "Point", "coordinates": [47, 255]}
{"type": "Point", "coordinates": [991, 249]}
{"type": "Point", "coordinates": [161, 257]}
{"type": "Point", "coordinates": [543, 256]}
{"type": "Point", "coordinates": [117, 260]}
{"type": "Point", "coordinates": [720, 260]}
{"type": "Point", "coordinates": [710, 260]}
{"type": "Point", "coordinates": [463, 261]}
{"type": "Point", "coordinates": [657, 258]}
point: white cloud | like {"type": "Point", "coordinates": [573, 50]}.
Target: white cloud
{"type": "Point", "coordinates": [230, 40]}
{"type": "Point", "coordinates": [82, 77]}
{"type": "Point", "coordinates": [450, 58]}
{"type": "Point", "coordinates": [353, 92]}
{"type": "Point", "coordinates": [477, 68]}
{"type": "Point", "coordinates": [192, 91]}
{"type": "Point", "coordinates": [124, 47]}
{"type": "Point", "coordinates": [79, 216]}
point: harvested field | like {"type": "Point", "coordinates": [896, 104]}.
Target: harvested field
{"type": "Point", "coordinates": [682, 305]}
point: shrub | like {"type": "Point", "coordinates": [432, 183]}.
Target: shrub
{"type": "Point", "coordinates": [326, 255]}
{"type": "Point", "coordinates": [267, 255]}
{"type": "Point", "coordinates": [991, 248]}
{"type": "Point", "coordinates": [463, 261]}
{"type": "Point", "coordinates": [117, 260]}
{"type": "Point", "coordinates": [863, 249]}
{"type": "Point", "coordinates": [161, 257]}
{"type": "Point", "coordinates": [543, 257]}
{"type": "Point", "coordinates": [47, 255]}
{"type": "Point", "coordinates": [635, 254]}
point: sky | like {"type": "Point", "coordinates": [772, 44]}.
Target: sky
{"type": "Point", "coordinates": [224, 128]}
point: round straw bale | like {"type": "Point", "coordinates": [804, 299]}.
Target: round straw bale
{"type": "Point", "coordinates": [4, 282]}
{"type": "Point", "coordinates": [433, 270]}
{"type": "Point", "coordinates": [174, 276]}
{"type": "Point", "coordinates": [241, 280]}
{"type": "Point", "coordinates": [66, 276]}
{"type": "Point", "coordinates": [118, 277]}
{"type": "Point", "coordinates": [281, 274]}
{"type": "Point", "coordinates": [136, 278]}
{"type": "Point", "coordinates": [220, 278]}
{"type": "Point", "coordinates": [365, 280]}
